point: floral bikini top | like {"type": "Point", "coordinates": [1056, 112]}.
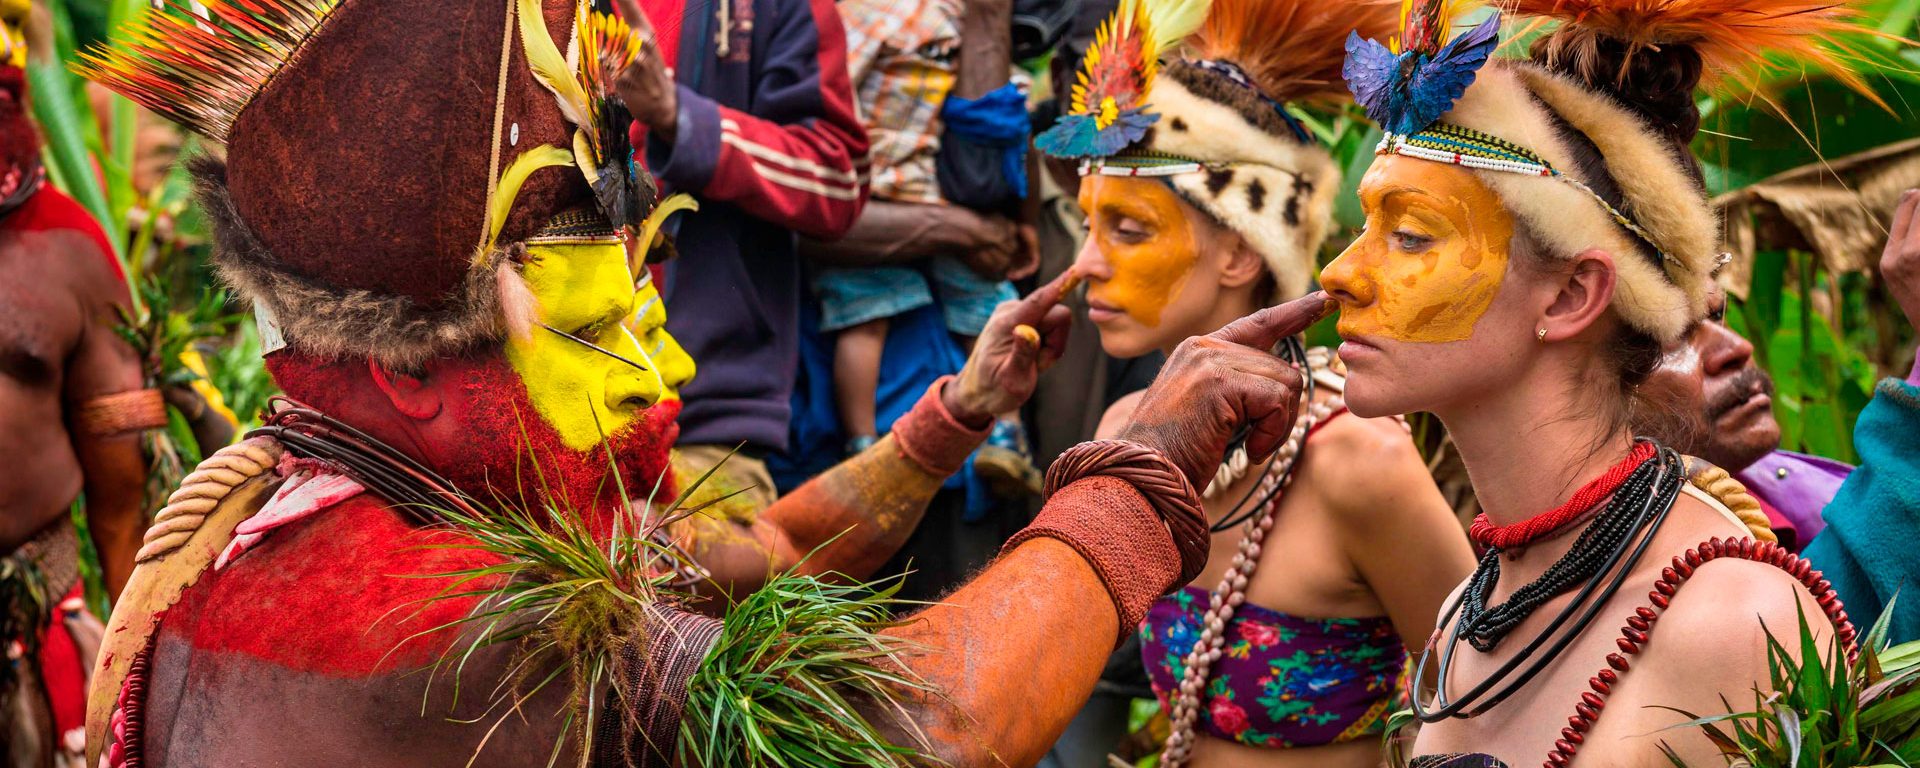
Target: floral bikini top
{"type": "Point", "coordinates": [1282, 681]}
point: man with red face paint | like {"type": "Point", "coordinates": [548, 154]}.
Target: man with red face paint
{"type": "Point", "coordinates": [444, 291]}
{"type": "Point", "coordinates": [71, 409]}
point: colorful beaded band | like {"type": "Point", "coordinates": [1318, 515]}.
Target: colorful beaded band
{"type": "Point", "coordinates": [1140, 164]}
{"type": "Point", "coordinates": [1452, 144]}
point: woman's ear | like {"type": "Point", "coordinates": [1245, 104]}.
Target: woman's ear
{"type": "Point", "coordinates": [1245, 266]}
{"type": "Point", "coordinates": [411, 395]}
{"type": "Point", "coordinates": [1584, 293]}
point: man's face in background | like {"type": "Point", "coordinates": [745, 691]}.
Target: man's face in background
{"type": "Point", "coordinates": [1709, 399]}
{"type": "Point", "coordinates": [18, 145]}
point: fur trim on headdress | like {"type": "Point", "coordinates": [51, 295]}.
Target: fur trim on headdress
{"type": "Point", "coordinates": [332, 322]}
{"type": "Point", "coordinates": [1518, 125]}
{"type": "Point", "coordinates": [1219, 131]}
{"type": "Point", "coordinates": [1268, 187]}
{"type": "Point", "coordinates": [1519, 102]}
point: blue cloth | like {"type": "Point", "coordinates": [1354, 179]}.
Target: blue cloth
{"type": "Point", "coordinates": [997, 121]}
{"type": "Point", "coordinates": [851, 296]}
{"type": "Point", "coordinates": [918, 350]}
{"type": "Point", "coordinates": [1867, 550]}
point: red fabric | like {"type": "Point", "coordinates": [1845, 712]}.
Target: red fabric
{"type": "Point", "coordinates": [62, 669]}
{"type": "Point", "coordinates": [50, 210]}
{"type": "Point", "coordinates": [666, 16]}
{"type": "Point", "coordinates": [807, 175]}
{"type": "Point", "coordinates": [931, 437]}
{"type": "Point", "coordinates": [1532, 529]}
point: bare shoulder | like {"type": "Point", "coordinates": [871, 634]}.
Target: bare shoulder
{"type": "Point", "coordinates": [1365, 467]}
{"type": "Point", "coordinates": [1118, 415]}
{"type": "Point", "coordinates": [1732, 592]}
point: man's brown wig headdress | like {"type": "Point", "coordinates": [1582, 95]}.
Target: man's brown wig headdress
{"type": "Point", "coordinates": [386, 157]}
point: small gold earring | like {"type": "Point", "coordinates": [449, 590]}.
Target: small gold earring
{"type": "Point", "coordinates": [1542, 335]}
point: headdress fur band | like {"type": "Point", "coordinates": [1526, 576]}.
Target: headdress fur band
{"type": "Point", "coordinates": [1272, 190]}
{"type": "Point", "coordinates": [1521, 103]}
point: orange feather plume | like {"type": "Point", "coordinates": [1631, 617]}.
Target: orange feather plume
{"type": "Point", "coordinates": [1735, 38]}
{"type": "Point", "coordinates": [1293, 49]}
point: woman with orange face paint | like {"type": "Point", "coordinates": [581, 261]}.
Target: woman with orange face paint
{"type": "Point", "coordinates": [1330, 558]}
{"type": "Point", "coordinates": [1534, 231]}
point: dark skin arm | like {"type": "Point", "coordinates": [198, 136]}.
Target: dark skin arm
{"type": "Point", "coordinates": [986, 48]}
{"type": "Point", "coordinates": [889, 233]}
{"type": "Point", "coordinates": [1015, 652]}
{"type": "Point", "coordinates": [852, 518]}
{"type": "Point", "coordinates": [115, 467]}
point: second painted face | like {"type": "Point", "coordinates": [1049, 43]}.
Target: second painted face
{"type": "Point", "coordinates": [586, 290]}
{"type": "Point", "coordinates": [1432, 258]}
{"type": "Point", "coordinates": [1146, 263]}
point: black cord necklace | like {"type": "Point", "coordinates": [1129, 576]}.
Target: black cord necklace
{"type": "Point", "coordinates": [1654, 501]}
{"type": "Point", "coordinates": [415, 489]}
{"type": "Point", "coordinates": [1292, 350]}
{"type": "Point", "coordinates": [1485, 626]}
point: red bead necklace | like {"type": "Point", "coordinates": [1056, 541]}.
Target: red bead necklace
{"type": "Point", "coordinates": [1547, 523]}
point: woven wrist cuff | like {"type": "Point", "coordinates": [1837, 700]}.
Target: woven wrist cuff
{"type": "Point", "coordinates": [932, 438]}
{"type": "Point", "coordinates": [1156, 478]}
{"type": "Point", "coordinates": [1131, 514]}
{"type": "Point", "coordinates": [122, 412]}
{"type": "Point", "coordinates": [657, 664]}
{"type": "Point", "coordinates": [1111, 524]}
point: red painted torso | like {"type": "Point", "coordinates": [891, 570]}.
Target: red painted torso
{"type": "Point", "coordinates": [309, 650]}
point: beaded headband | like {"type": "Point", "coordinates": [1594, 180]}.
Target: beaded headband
{"type": "Point", "coordinates": [1457, 145]}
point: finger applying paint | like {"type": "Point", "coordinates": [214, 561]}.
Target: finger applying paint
{"type": "Point", "coordinates": [1265, 328]}
{"type": "Point", "coordinates": [1055, 329]}
{"type": "Point", "coordinates": [1032, 308]}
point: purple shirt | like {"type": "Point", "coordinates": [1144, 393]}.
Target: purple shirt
{"type": "Point", "coordinates": [1797, 487]}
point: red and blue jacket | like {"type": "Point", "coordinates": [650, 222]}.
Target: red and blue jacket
{"type": "Point", "coordinates": [768, 141]}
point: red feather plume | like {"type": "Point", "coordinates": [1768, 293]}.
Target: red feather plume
{"type": "Point", "coordinates": [1739, 41]}
{"type": "Point", "coordinates": [1293, 49]}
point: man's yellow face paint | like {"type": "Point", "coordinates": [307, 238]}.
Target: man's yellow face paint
{"type": "Point", "coordinates": [1144, 235]}
{"type": "Point", "coordinates": [1432, 258]}
{"type": "Point", "coordinates": [13, 32]}
{"type": "Point", "coordinates": [586, 290]}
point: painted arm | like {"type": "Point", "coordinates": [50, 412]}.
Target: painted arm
{"type": "Point", "coordinates": [1015, 652]}
{"type": "Point", "coordinates": [852, 518]}
{"type": "Point", "coordinates": [115, 467]}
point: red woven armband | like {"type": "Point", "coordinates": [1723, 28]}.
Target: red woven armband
{"type": "Point", "coordinates": [932, 438]}
{"type": "Point", "coordinates": [122, 412]}
{"type": "Point", "coordinates": [1133, 516]}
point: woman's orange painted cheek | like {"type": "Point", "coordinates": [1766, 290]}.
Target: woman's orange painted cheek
{"type": "Point", "coordinates": [1147, 273]}
{"type": "Point", "coordinates": [1436, 295]}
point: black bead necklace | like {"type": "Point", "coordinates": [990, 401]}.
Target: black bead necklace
{"type": "Point", "coordinates": [1485, 626]}
{"type": "Point", "coordinates": [1648, 503]}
